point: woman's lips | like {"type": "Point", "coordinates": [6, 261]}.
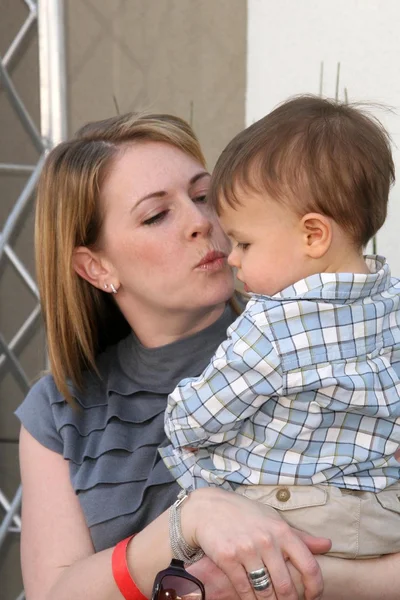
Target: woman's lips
{"type": "Point", "coordinates": [212, 261]}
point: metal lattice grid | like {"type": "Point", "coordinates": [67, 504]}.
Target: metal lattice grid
{"type": "Point", "coordinates": [48, 16]}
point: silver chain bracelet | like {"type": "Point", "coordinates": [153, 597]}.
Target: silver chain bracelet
{"type": "Point", "coordinates": [181, 550]}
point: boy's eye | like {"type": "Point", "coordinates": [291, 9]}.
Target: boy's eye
{"type": "Point", "coordinates": [155, 218]}
{"type": "Point", "coordinates": [200, 199]}
{"type": "Point", "coordinates": [243, 245]}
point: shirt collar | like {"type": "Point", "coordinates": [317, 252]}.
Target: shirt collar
{"type": "Point", "coordinates": [341, 286]}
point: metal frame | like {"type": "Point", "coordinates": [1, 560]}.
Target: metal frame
{"type": "Point", "coordinates": [49, 16]}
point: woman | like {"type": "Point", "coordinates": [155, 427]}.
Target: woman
{"type": "Point", "coordinates": [135, 288]}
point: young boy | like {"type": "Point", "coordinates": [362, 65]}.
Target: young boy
{"type": "Point", "coordinates": [300, 406]}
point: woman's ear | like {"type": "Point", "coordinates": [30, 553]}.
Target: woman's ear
{"type": "Point", "coordinates": [91, 267]}
{"type": "Point", "coordinates": [317, 232]}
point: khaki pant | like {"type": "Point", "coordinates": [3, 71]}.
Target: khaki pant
{"type": "Point", "coordinates": [360, 524]}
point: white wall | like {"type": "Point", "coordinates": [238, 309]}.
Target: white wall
{"type": "Point", "coordinates": [288, 40]}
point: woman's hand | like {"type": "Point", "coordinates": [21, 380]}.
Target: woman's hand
{"type": "Point", "coordinates": [240, 536]}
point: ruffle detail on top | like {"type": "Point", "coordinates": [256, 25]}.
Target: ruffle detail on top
{"type": "Point", "coordinates": [113, 452]}
{"type": "Point", "coordinates": [134, 410]}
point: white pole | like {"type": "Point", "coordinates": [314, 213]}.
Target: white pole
{"type": "Point", "coordinates": [52, 61]}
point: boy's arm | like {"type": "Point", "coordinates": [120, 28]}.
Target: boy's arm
{"type": "Point", "coordinates": [242, 374]}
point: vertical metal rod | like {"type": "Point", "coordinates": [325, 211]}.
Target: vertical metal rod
{"type": "Point", "coordinates": [53, 96]}
{"type": "Point", "coordinates": [337, 81]}
{"type": "Point", "coordinates": [191, 114]}
{"type": "Point", "coordinates": [321, 78]}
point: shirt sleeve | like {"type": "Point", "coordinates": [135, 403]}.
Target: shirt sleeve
{"type": "Point", "coordinates": [243, 373]}
{"type": "Point", "coordinates": [36, 414]}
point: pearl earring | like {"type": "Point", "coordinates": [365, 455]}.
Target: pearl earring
{"type": "Point", "coordinates": [113, 289]}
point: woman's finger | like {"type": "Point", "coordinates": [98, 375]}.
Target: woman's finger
{"type": "Point", "coordinates": [254, 563]}
{"type": "Point", "coordinates": [237, 560]}
{"type": "Point", "coordinates": [240, 580]}
{"type": "Point", "coordinates": [281, 580]}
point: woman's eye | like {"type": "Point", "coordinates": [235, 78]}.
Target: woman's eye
{"type": "Point", "coordinates": [200, 199]}
{"type": "Point", "coordinates": [155, 218]}
{"type": "Point", "coordinates": [243, 245]}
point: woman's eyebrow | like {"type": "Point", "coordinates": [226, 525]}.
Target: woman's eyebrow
{"type": "Point", "coordinates": [162, 193]}
{"type": "Point", "coordinates": [159, 194]}
{"type": "Point", "coordinates": [196, 178]}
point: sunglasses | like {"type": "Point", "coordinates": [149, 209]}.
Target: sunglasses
{"type": "Point", "coordinates": [175, 583]}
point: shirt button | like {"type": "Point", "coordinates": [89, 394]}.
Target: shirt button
{"type": "Point", "coordinates": [283, 495]}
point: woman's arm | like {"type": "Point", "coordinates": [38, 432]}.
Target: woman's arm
{"type": "Point", "coordinates": [58, 558]}
{"type": "Point", "coordinates": [239, 535]}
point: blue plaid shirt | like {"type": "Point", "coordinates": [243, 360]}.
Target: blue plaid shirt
{"type": "Point", "coordinates": [304, 391]}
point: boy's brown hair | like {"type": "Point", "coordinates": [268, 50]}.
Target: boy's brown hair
{"type": "Point", "coordinates": [316, 155]}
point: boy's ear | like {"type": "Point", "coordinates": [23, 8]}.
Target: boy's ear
{"type": "Point", "coordinates": [317, 232]}
{"type": "Point", "coordinates": [88, 265]}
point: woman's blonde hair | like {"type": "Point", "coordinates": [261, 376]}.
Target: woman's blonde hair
{"type": "Point", "coordinates": [81, 320]}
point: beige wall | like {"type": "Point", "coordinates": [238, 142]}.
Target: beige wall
{"type": "Point", "coordinates": [186, 57]}
{"type": "Point", "coordinates": [161, 55]}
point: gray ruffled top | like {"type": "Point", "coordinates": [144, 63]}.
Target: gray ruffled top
{"type": "Point", "coordinates": [111, 443]}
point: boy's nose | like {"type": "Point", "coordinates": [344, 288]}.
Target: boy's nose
{"type": "Point", "coordinates": [233, 259]}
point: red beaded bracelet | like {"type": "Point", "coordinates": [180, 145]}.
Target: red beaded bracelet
{"type": "Point", "coordinates": [120, 570]}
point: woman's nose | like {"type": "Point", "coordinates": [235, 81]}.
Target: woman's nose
{"type": "Point", "coordinates": [200, 223]}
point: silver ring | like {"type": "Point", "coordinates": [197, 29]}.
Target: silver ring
{"type": "Point", "coordinates": [259, 579]}
{"type": "Point", "coordinates": [258, 573]}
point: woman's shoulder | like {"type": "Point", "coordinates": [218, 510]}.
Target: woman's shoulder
{"type": "Point", "coordinates": [43, 392]}
{"type": "Point", "coordinates": [44, 412]}
{"type": "Point", "coordinates": [36, 414]}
